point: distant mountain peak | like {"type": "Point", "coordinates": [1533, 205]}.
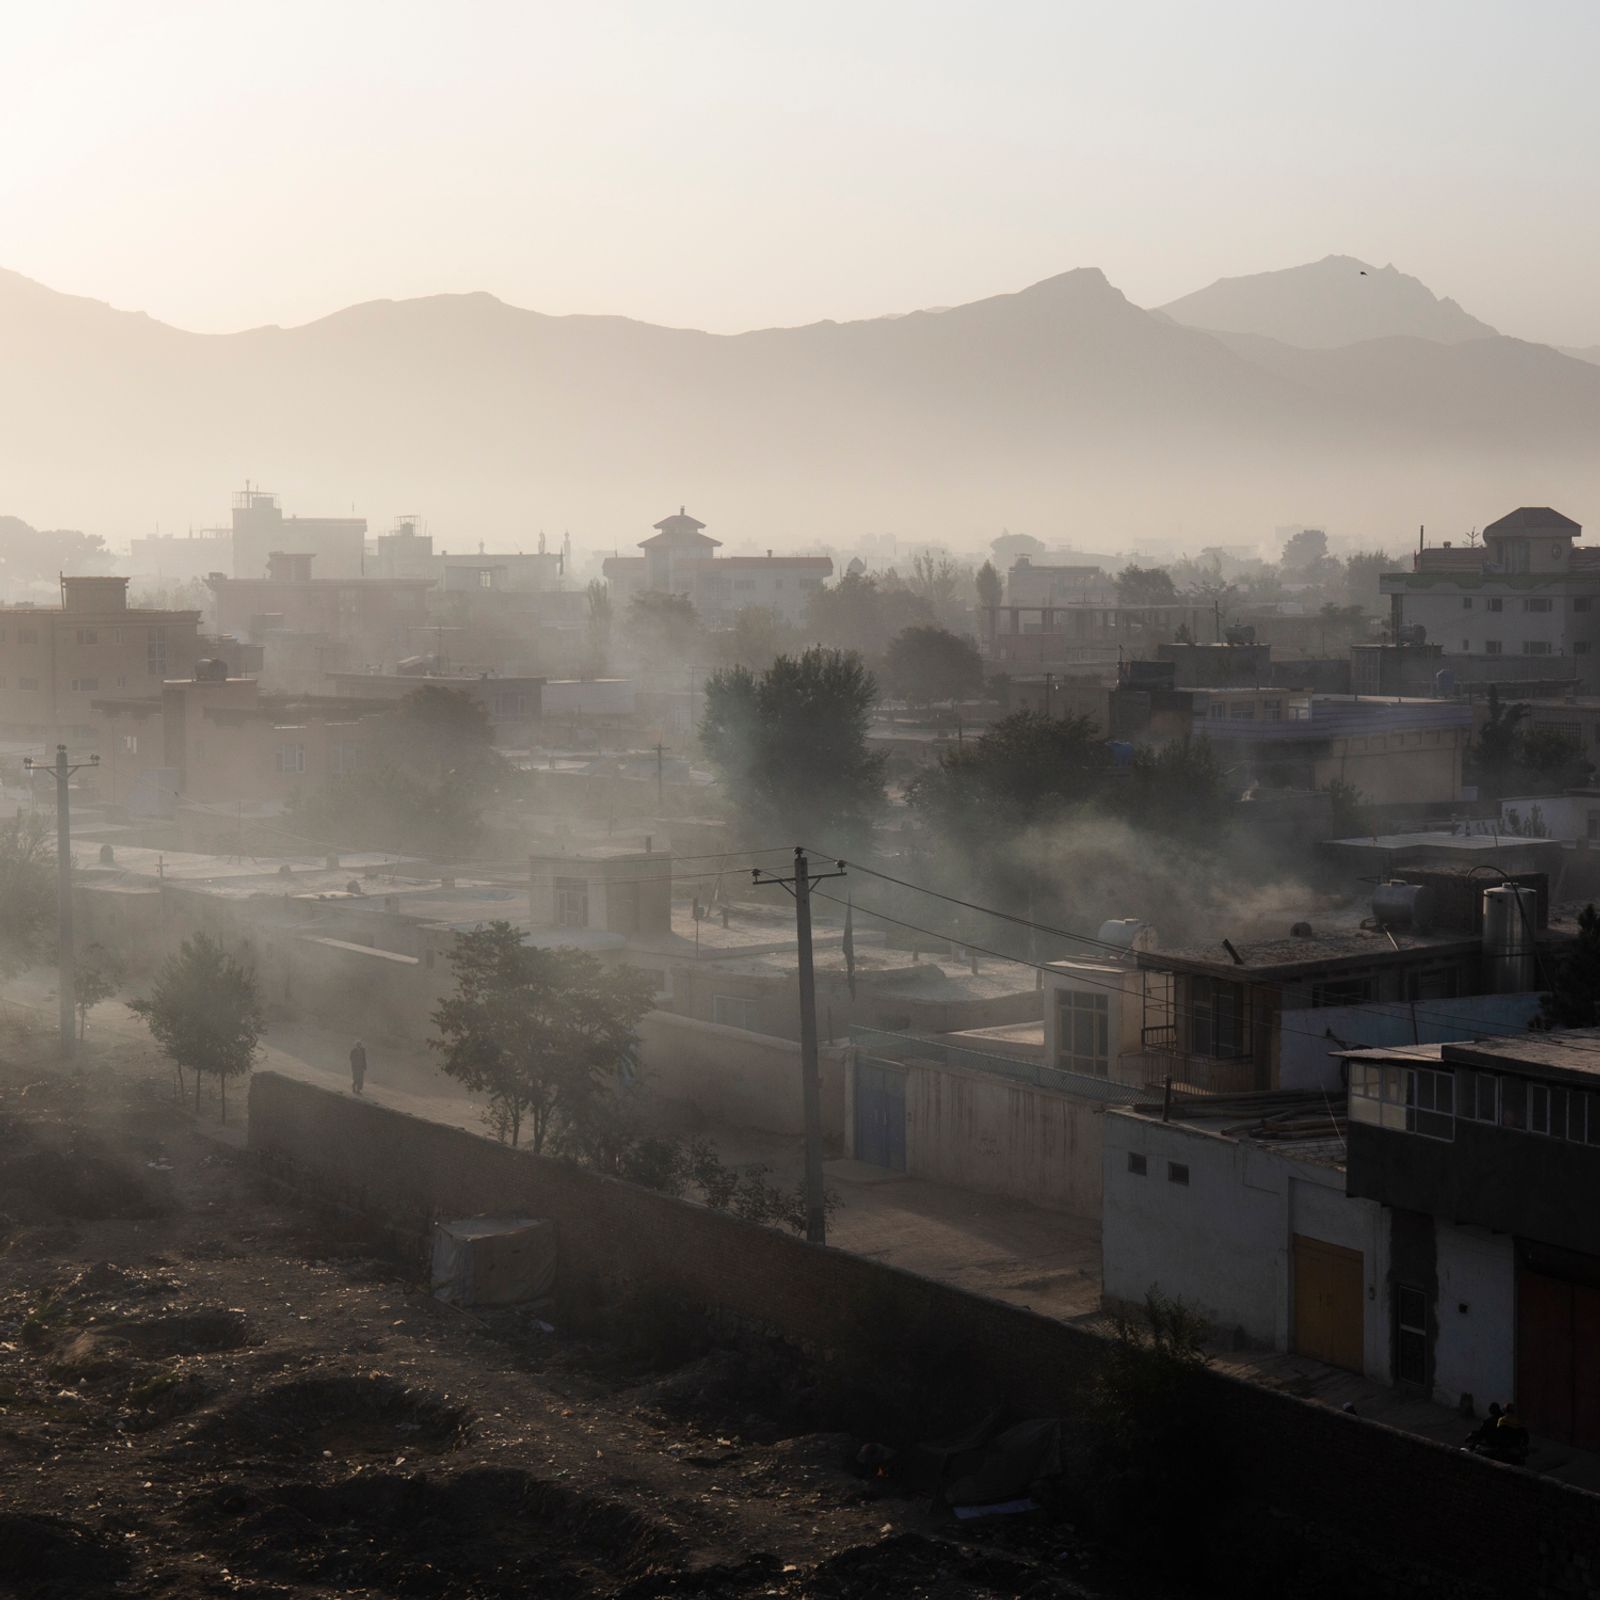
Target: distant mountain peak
{"type": "Point", "coordinates": [1339, 300]}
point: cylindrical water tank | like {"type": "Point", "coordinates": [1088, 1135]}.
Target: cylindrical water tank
{"type": "Point", "coordinates": [1127, 933]}
{"type": "Point", "coordinates": [1402, 905]}
{"type": "Point", "coordinates": [1509, 964]}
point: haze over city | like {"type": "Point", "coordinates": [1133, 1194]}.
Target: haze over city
{"type": "Point", "coordinates": [799, 803]}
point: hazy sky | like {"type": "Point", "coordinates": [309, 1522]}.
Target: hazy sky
{"type": "Point", "coordinates": [728, 165]}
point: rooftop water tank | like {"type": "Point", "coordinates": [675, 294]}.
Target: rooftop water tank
{"type": "Point", "coordinates": [1127, 933]}
{"type": "Point", "coordinates": [1398, 906]}
{"type": "Point", "coordinates": [1510, 963]}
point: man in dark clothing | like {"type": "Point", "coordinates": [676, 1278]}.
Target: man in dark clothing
{"type": "Point", "coordinates": [358, 1067]}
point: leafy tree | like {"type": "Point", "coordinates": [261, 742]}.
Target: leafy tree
{"type": "Point", "coordinates": [1361, 573]}
{"type": "Point", "coordinates": [98, 976]}
{"type": "Point", "coordinates": [1304, 552]}
{"type": "Point", "coordinates": [759, 635]}
{"type": "Point", "coordinates": [1493, 759]}
{"type": "Point", "coordinates": [27, 892]}
{"type": "Point", "coordinates": [988, 584]}
{"type": "Point", "coordinates": [859, 613]}
{"type": "Point", "coordinates": [37, 555]}
{"type": "Point", "coordinates": [1574, 997]}
{"type": "Point", "coordinates": [1555, 758]}
{"type": "Point", "coordinates": [205, 1012]}
{"type": "Point", "coordinates": [1011, 545]}
{"type": "Point", "coordinates": [940, 582]}
{"type": "Point", "coordinates": [1178, 788]}
{"type": "Point", "coordinates": [663, 630]}
{"type": "Point", "coordinates": [538, 1032]}
{"type": "Point", "coordinates": [1347, 808]}
{"type": "Point", "coordinates": [597, 622]}
{"type": "Point", "coordinates": [927, 664]}
{"type": "Point", "coordinates": [1146, 586]}
{"type": "Point", "coordinates": [790, 745]}
{"type": "Point", "coordinates": [1027, 768]}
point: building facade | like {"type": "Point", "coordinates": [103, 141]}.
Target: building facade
{"type": "Point", "coordinates": [260, 528]}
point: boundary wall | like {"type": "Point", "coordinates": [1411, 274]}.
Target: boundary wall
{"type": "Point", "coordinates": [1315, 1500]}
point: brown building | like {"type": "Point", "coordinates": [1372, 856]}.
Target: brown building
{"type": "Point", "coordinates": [55, 660]}
{"type": "Point", "coordinates": [215, 738]}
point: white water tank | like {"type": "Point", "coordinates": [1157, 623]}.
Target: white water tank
{"type": "Point", "coordinates": [1127, 933]}
{"type": "Point", "coordinates": [1509, 962]}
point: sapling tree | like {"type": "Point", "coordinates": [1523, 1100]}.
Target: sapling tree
{"type": "Point", "coordinates": [205, 1012]}
{"type": "Point", "coordinates": [98, 977]}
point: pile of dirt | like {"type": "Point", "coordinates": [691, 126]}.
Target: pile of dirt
{"type": "Point", "coordinates": [489, 1533]}
{"type": "Point", "coordinates": [50, 1556]}
{"type": "Point", "coordinates": [75, 1178]}
{"type": "Point", "coordinates": [343, 1417]}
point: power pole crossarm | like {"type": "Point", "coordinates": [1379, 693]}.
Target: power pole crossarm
{"type": "Point", "coordinates": [800, 886]}
{"type": "Point", "coordinates": [67, 979]}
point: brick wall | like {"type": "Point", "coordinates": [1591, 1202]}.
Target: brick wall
{"type": "Point", "coordinates": [1316, 1502]}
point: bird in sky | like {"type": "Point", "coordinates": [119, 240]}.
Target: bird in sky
{"type": "Point", "coordinates": [1363, 272]}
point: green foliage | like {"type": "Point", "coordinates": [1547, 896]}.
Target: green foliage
{"type": "Point", "coordinates": [862, 614]}
{"type": "Point", "coordinates": [1493, 758]}
{"type": "Point", "coordinates": [1011, 545]}
{"type": "Point", "coordinates": [1146, 586]}
{"type": "Point", "coordinates": [1554, 759]}
{"type": "Point", "coordinates": [1028, 768]}
{"type": "Point", "coordinates": [1179, 789]}
{"type": "Point", "coordinates": [790, 745]}
{"type": "Point", "coordinates": [1361, 573]}
{"type": "Point", "coordinates": [537, 1032]}
{"type": "Point", "coordinates": [27, 892]}
{"type": "Point", "coordinates": [759, 635]}
{"type": "Point", "coordinates": [937, 580]}
{"type": "Point", "coordinates": [663, 631]}
{"type": "Point", "coordinates": [98, 976]}
{"type": "Point", "coordinates": [1348, 809]}
{"type": "Point", "coordinates": [1574, 997]}
{"type": "Point", "coordinates": [430, 767]}
{"type": "Point", "coordinates": [205, 1012]}
{"type": "Point", "coordinates": [986, 580]}
{"type": "Point", "coordinates": [1532, 826]}
{"type": "Point", "coordinates": [40, 555]}
{"type": "Point", "coordinates": [926, 664]}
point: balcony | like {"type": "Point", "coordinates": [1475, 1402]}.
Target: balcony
{"type": "Point", "coordinates": [1156, 1063]}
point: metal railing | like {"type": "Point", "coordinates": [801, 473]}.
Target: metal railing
{"type": "Point", "coordinates": [1189, 1074]}
{"type": "Point", "coordinates": [885, 1046]}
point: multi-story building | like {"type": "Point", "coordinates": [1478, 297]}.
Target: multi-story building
{"type": "Point", "coordinates": [1034, 585]}
{"type": "Point", "coordinates": [182, 558]}
{"type": "Point", "coordinates": [55, 660]}
{"type": "Point", "coordinates": [406, 552]}
{"type": "Point", "coordinates": [681, 558]}
{"type": "Point", "coordinates": [260, 529]}
{"type": "Point", "coordinates": [1527, 591]}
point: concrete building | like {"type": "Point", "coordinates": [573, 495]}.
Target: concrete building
{"type": "Point", "coordinates": [1528, 591]}
{"type": "Point", "coordinates": [181, 558]}
{"type": "Point", "coordinates": [1037, 585]}
{"type": "Point", "coordinates": [406, 552]}
{"type": "Point", "coordinates": [55, 660]}
{"type": "Point", "coordinates": [681, 558]}
{"type": "Point", "coordinates": [512, 704]}
{"type": "Point", "coordinates": [260, 529]}
{"type": "Point", "coordinates": [211, 738]}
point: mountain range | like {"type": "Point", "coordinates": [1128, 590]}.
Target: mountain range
{"type": "Point", "coordinates": [1338, 393]}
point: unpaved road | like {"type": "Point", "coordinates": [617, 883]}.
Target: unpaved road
{"type": "Point", "coordinates": [207, 1388]}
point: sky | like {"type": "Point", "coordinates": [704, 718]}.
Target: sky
{"type": "Point", "coordinates": [733, 165]}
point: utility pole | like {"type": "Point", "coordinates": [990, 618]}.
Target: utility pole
{"type": "Point", "coordinates": [660, 803]}
{"type": "Point", "coordinates": [66, 982]}
{"type": "Point", "coordinates": [800, 886]}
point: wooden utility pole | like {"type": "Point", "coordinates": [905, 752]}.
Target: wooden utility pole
{"type": "Point", "coordinates": [67, 977]}
{"type": "Point", "coordinates": [800, 886]}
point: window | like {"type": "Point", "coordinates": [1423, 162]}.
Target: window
{"type": "Point", "coordinates": [87, 636]}
{"type": "Point", "coordinates": [130, 744]}
{"type": "Point", "coordinates": [27, 683]}
{"type": "Point", "coordinates": [343, 758]}
{"type": "Point", "coordinates": [2, 635]}
{"type": "Point", "coordinates": [1478, 1094]}
{"type": "Point", "coordinates": [572, 903]}
{"type": "Point", "coordinates": [1178, 1172]}
{"type": "Point", "coordinates": [1583, 602]}
{"type": "Point", "coordinates": [1583, 1117]}
{"type": "Point", "coordinates": [155, 652]}
{"type": "Point", "coordinates": [122, 680]}
{"type": "Point", "coordinates": [1406, 1099]}
{"type": "Point", "coordinates": [1491, 647]}
{"type": "Point", "coordinates": [744, 583]}
{"type": "Point", "coordinates": [1272, 711]}
{"type": "Point", "coordinates": [1536, 605]}
{"type": "Point", "coordinates": [811, 583]}
{"type": "Point", "coordinates": [1341, 992]}
{"type": "Point", "coordinates": [1430, 1102]}
{"type": "Point", "coordinates": [1244, 712]}
{"type": "Point", "coordinates": [1466, 602]}
{"type": "Point", "coordinates": [1514, 1103]}
{"type": "Point", "coordinates": [1594, 825]}
{"type": "Point", "coordinates": [735, 1011]}
{"type": "Point", "coordinates": [84, 685]}
{"type": "Point", "coordinates": [1547, 1110]}
{"type": "Point", "coordinates": [1536, 647]}
{"type": "Point", "coordinates": [485, 578]}
{"type": "Point", "coordinates": [27, 635]}
{"type": "Point", "coordinates": [1138, 1165]}
{"type": "Point", "coordinates": [291, 758]}
{"type": "Point", "coordinates": [1083, 1028]}
{"type": "Point", "coordinates": [1466, 647]}
{"type": "Point", "coordinates": [508, 702]}
{"type": "Point", "coordinates": [1410, 1334]}
{"type": "Point", "coordinates": [1216, 1017]}
{"type": "Point", "coordinates": [1494, 605]}
{"type": "Point", "coordinates": [1580, 647]}
{"type": "Point", "coordinates": [116, 636]}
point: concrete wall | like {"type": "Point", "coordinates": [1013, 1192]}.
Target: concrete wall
{"type": "Point", "coordinates": [1304, 1061]}
{"type": "Point", "coordinates": [1475, 1316]}
{"type": "Point", "coordinates": [744, 1080]}
{"type": "Point", "coordinates": [1320, 1502]}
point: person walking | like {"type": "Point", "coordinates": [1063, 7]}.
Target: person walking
{"type": "Point", "coordinates": [358, 1066]}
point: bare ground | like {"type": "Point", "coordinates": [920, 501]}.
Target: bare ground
{"type": "Point", "coordinates": [209, 1388]}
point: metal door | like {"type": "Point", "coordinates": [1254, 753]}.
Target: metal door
{"type": "Point", "coordinates": [1328, 1302]}
{"type": "Point", "coordinates": [881, 1115]}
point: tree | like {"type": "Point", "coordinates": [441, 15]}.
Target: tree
{"type": "Point", "coordinates": [988, 585]}
{"type": "Point", "coordinates": [1011, 545]}
{"type": "Point", "coordinates": [1178, 788]}
{"type": "Point", "coordinates": [1304, 551]}
{"type": "Point", "coordinates": [1347, 809]}
{"type": "Point", "coordinates": [937, 580]}
{"type": "Point", "coordinates": [98, 976]}
{"type": "Point", "coordinates": [790, 746]}
{"type": "Point", "coordinates": [1028, 768]}
{"type": "Point", "coordinates": [205, 1012]}
{"type": "Point", "coordinates": [27, 892]}
{"type": "Point", "coordinates": [1361, 573]}
{"type": "Point", "coordinates": [858, 613]}
{"type": "Point", "coordinates": [598, 617]}
{"type": "Point", "coordinates": [759, 635]}
{"type": "Point", "coordinates": [38, 555]}
{"type": "Point", "coordinates": [664, 631]}
{"type": "Point", "coordinates": [1146, 586]}
{"type": "Point", "coordinates": [1494, 757]}
{"type": "Point", "coordinates": [536, 1031]}
{"type": "Point", "coordinates": [927, 664]}
{"type": "Point", "coordinates": [1574, 997]}
{"type": "Point", "coordinates": [1555, 759]}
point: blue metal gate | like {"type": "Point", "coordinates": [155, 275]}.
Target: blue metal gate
{"type": "Point", "coordinates": [880, 1115]}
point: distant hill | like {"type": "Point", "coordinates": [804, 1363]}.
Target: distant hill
{"type": "Point", "coordinates": [1336, 301]}
{"type": "Point", "coordinates": [1590, 352]}
{"type": "Point", "coordinates": [1061, 410]}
